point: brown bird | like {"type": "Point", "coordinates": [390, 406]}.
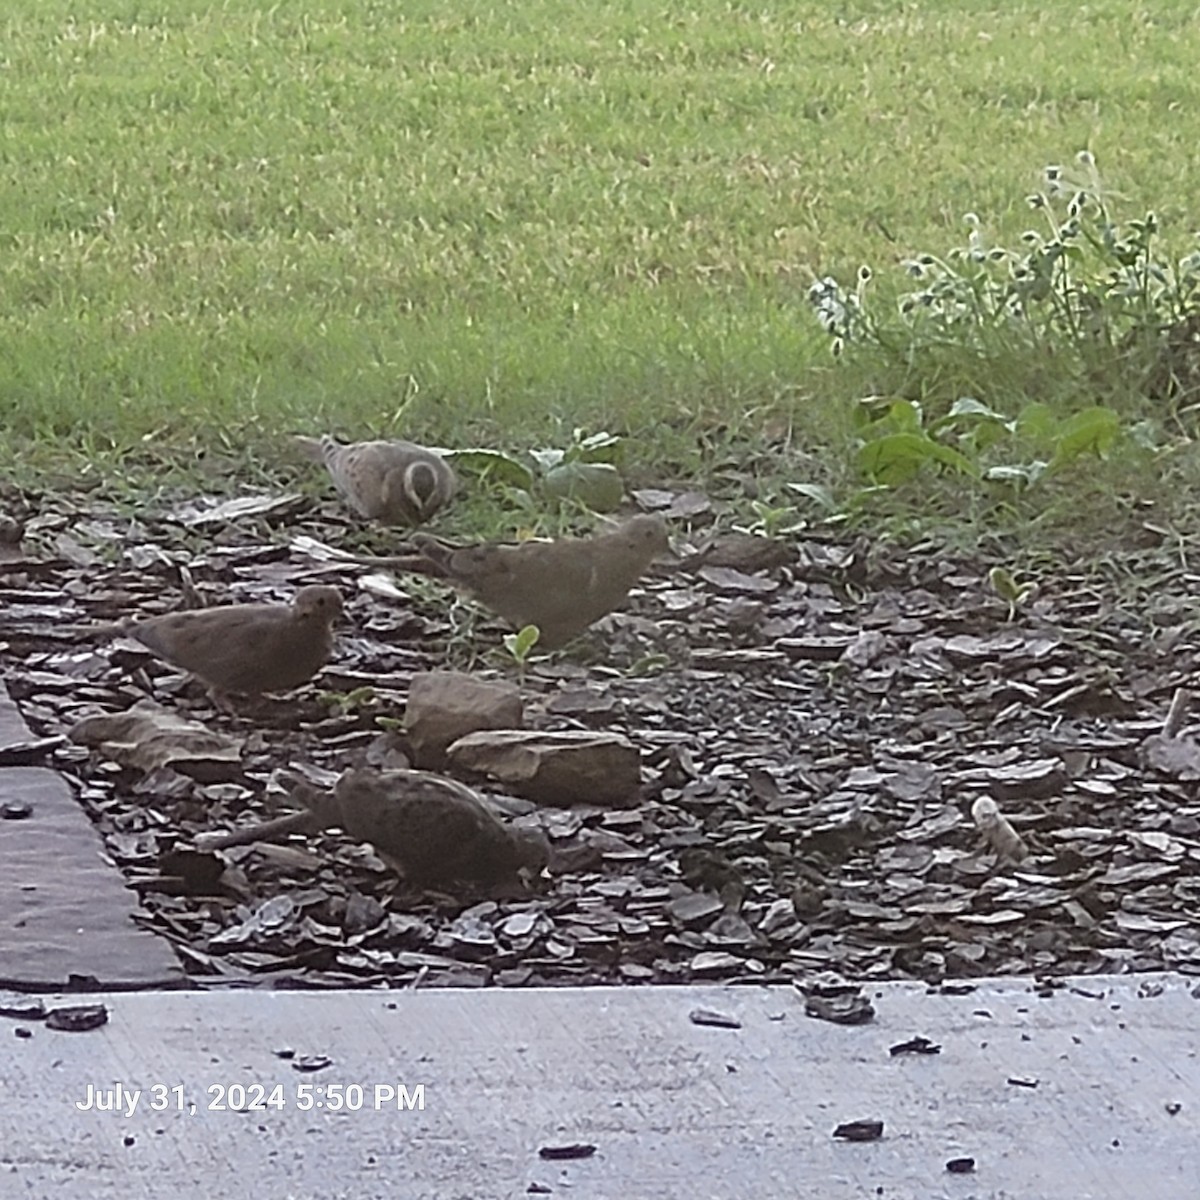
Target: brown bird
{"type": "Point", "coordinates": [247, 648]}
{"type": "Point", "coordinates": [428, 828]}
{"type": "Point", "coordinates": [11, 530]}
{"type": "Point", "coordinates": [396, 482]}
{"type": "Point", "coordinates": [562, 586]}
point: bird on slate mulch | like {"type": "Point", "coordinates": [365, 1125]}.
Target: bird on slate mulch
{"type": "Point", "coordinates": [428, 828]}
{"type": "Point", "coordinates": [394, 482]}
{"type": "Point", "coordinates": [245, 648]}
{"type": "Point", "coordinates": [11, 530]}
{"type": "Point", "coordinates": [561, 586]}
{"type": "Point", "coordinates": [710, 870]}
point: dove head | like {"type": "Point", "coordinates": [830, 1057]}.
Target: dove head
{"type": "Point", "coordinates": [646, 532]}
{"type": "Point", "coordinates": [319, 801]}
{"type": "Point", "coordinates": [422, 490]}
{"type": "Point", "coordinates": [531, 848]}
{"type": "Point", "coordinates": [317, 603]}
{"type": "Point", "coordinates": [355, 777]}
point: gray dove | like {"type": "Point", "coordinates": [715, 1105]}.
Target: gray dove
{"type": "Point", "coordinates": [247, 648]}
{"type": "Point", "coordinates": [561, 586]}
{"type": "Point", "coordinates": [394, 482]}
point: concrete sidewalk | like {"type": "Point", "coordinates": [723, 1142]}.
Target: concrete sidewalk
{"type": "Point", "coordinates": [1093, 1092]}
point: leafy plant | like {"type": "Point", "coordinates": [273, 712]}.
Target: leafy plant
{"type": "Point", "coordinates": [647, 666]}
{"type": "Point", "coordinates": [1094, 305]}
{"type": "Point", "coordinates": [896, 441]}
{"type": "Point", "coordinates": [771, 520]}
{"type": "Point", "coordinates": [493, 466]}
{"type": "Point", "coordinates": [520, 645]}
{"type": "Point", "coordinates": [342, 704]}
{"type": "Point", "coordinates": [583, 472]}
{"type": "Point", "coordinates": [1005, 585]}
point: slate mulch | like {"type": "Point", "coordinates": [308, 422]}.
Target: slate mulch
{"type": "Point", "coordinates": [816, 717]}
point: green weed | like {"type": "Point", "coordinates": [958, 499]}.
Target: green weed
{"type": "Point", "coordinates": [1065, 343]}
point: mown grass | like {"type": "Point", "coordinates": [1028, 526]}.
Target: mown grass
{"type": "Point", "coordinates": [497, 221]}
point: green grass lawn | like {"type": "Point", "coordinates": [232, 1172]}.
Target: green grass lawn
{"type": "Point", "coordinates": [467, 221]}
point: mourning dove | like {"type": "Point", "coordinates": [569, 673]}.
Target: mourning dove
{"type": "Point", "coordinates": [428, 828]}
{"type": "Point", "coordinates": [247, 648]}
{"type": "Point", "coordinates": [562, 586]}
{"type": "Point", "coordinates": [396, 482]}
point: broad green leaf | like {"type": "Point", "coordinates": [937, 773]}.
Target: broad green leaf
{"type": "Point", "coordinates": [898, 457]}
{"type": "Point", "coordinates": [1009, 590]}
{"type": "Point", "coordinates": [1039, 423]}
{"type": "Point", "coordinates": [897, 416]}
{"type": "Point", "coordinates": [519, 644]}
{"type": "Point", "coordinates": [598, 485]}
{"type": "Point", "coordinates": [493, 466]}
{"type": "Point", "coordinates": [519, 498]}
{"type": "Point", "coordinates": [905, 416]}
{"type": "Point", "coordinates": [869, 409]}
{"type": "Point", "coordinates": [1092, 431]}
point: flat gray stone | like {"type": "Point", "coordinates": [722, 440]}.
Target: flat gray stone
{"type": "Point", "coordinates": [64, 910]}
{"type": "Point", "coordinates": [443, 706]}
{"type": "Point", "coordinates": [564, 767]}
{"type": "Point", "coordinates": [1067, 1098]}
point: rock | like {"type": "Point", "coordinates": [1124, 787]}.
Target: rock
{"type": "Point", "coordinates": [573, 767]}
{"type": "Point", "coordinates": [444, 706]}
{"type": "Point", "coordinates": [694, 909]}
{"type": "Point", "coordinates": [583, 705]}
{"type": "Point", "coordinates": [148, 737]}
